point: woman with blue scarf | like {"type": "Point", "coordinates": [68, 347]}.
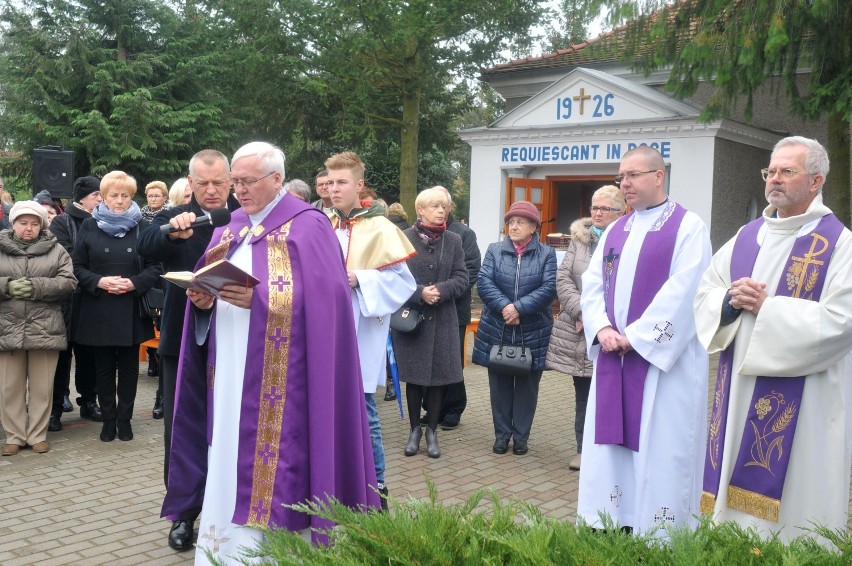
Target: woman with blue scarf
{"type": "Point", "coordinates": [566, 352]}
{"type": "Point", "coordinates": [113, 278]}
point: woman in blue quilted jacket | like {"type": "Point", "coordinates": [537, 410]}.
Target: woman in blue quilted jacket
{"type": "Point", "coordinates": [517, 284]}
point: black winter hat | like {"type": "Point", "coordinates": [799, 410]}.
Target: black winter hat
{"type": "Point", "coordinates": [84, 186]}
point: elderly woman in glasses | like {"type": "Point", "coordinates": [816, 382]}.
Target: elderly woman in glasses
{"type": "Point", "coordinates": [517, 283]}
{"type": "Point", "coordinates": [158, 199]}
{"type": "Point", "coordinates": [567, 350]}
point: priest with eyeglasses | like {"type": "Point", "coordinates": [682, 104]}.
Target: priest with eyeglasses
{"type": "Point", "coordinates": [777, 303]}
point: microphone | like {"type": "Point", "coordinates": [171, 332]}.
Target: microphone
{"type": "Point", "coordinates": [216, 217]}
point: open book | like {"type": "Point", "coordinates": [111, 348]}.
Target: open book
{"type": "Point", "coordinates": [211, 278]}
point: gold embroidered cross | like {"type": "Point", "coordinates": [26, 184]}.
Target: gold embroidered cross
{"type": "Point", "coordinates": [801, 264]}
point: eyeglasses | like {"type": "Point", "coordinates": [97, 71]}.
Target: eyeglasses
{"type": "Point", "coordinates": [217, 183]}
{"type": "Point", "coordinates": [604, 209]}
{"type": "Point", "coordinates": [249, 182]}
{"type": "Point", "coordinates": [785, 173]}
{"type": "Point", "coordinates": [518, 222]}
{"type": "Point", "coordinates": [632, 176]}
{"type": "Point", "coordinates": [155, 195]}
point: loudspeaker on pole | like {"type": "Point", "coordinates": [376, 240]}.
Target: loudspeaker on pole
{"type": "Point", "coordinates": [53, 169]}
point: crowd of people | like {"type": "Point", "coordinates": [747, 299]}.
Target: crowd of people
{"type": "Point", "coordinates": [641, 302]}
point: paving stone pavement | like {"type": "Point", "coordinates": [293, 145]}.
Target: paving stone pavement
{"type": "Point", "coordinates": [93, 502]}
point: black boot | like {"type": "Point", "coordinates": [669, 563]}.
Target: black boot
{"type": "Point", "coordinates": [157, 412]}
{"type": "Point", "coordinates": [390, 392]}
{"type": "Point", "coordinates": [108, 430]}
{"type": "Point", "coordinates": [54, 424]}
{"type": "Point", "coordinates": [67, 407]}
{"type": "Point", "coordinates": [413, 444]}
{"type": "Point", "coordinates": [90, 410]}
{"type": "Point", "coordinates": [432, 448]}
{"type": "Point", "coordinates": [125, 433]}
{"type": "Point", "coordinates": [153, 363]}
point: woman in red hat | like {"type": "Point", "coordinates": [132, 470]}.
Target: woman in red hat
{"type": "Point", "coordinates": [517, 284]}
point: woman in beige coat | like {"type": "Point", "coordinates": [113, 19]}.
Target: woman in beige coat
{"type": "Point", "coordinates": [35, 277]}
{"type": "Point", "coordinates": [567, 349]}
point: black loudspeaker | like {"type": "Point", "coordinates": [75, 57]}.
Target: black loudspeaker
{"type": "Point", "coordinates": [53, 169]}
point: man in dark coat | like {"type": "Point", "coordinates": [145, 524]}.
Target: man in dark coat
{"type": "Point", "coordinates": [210, 183]}
{"type": "Point", "coordinates": [87, 195]}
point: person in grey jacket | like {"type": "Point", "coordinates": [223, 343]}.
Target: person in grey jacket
{"type": "Point", "coordinates": [567, 350]}
{"type": "Point", "coordinates": [517, 283]}
{"type": "Point", "coordinates": [35, 276]}
{"type": "Point", "coordinates": [428, 359]}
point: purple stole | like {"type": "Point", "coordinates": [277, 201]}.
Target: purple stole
{"type": "Point", "coordinates": [621, 379]}
{"type": "Point", "coordinates": [757, 480]}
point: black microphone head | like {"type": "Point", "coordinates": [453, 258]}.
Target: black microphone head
{"type": "Point", "coordinates": [219, 217]}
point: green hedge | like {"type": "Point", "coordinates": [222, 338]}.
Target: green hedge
{"type": "Point", "coordinates": [485, 530]}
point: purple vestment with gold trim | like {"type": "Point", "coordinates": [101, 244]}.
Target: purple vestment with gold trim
{"type": "Point", "coordinates": [303, 427]}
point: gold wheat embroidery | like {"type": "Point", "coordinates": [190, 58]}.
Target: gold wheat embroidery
{"type": "Point", "coordinates": [768, 440]}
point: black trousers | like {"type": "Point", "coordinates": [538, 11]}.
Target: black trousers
{"type": "Point", "coordinates": [61, 380]}
{"type": "Point", "coordinates": [168, 373]}
{"type": "Point", "coordinates": [513, 403]}
{"type": "Point", "coordinates": [84, 374]}
{"type": "Point", "coordinates": [123, 360]}
{"type": "Point", "coordinates": [582, 385]}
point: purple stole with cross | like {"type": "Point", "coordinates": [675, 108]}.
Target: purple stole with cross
{"type": "Point", "coordinates": [303, 420]}
{"type": "Point", "coordinates": [757, 480]}
{"type": "Point", "coordinates": [621, 379]}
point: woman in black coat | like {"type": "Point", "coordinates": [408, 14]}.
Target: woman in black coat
{"type": "Point", "coordinates": [427, 358]}
{"type": "Point", "coordinates": [113, 277]}
{"type": "Point", "coordinates": [517, 284]}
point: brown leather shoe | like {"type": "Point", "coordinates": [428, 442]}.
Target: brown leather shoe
{"type": "Point", "coordinates": [574, 462]}
{"type": "Point", "coordinates": [11, 449]}
{"type": "Point", "coordinates": [41, 447]}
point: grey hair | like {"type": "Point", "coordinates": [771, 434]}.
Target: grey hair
{"type": "Point", "coordinates": [271, 157]}
{"type": "Point", "coordinates": [816, 157]}
{"type": "Point", "coordinates": [209, 157]}
{"type": "Point", "coordinates": [614, 194]}
{"type": "Point", "coordinates": [299, 188]}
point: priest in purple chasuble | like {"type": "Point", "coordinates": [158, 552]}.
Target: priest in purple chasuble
{"type": "Point", "coordinates": [647, 416]}
{"type": "Point", "coordinates": [777, 303]}
{"type": "Point", "coordinates": [269, 410]}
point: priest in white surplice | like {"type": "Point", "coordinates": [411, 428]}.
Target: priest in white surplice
{"type": "Point", "coordinates": [646, 423]}
{"type": "Point", "coordinates": [777, 302]}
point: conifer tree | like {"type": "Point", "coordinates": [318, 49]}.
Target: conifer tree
{"type": "Point", "coordinates": [737, 46]}
{"type": "Point", "coordinates": [126, 84]}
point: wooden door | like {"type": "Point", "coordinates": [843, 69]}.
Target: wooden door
{"type": "Point", "coordinates": [541, 193]}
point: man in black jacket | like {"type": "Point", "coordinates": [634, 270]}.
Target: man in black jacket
{"type": "Point", "coordinates": [210, 183]}
{"type": "Point", "coordinates": [87, 195]}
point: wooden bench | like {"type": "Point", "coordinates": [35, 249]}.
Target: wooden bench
{"type": "Point", "coordinates": [152, 343]}
{"type": "Point", "coordinates": [472, 327]}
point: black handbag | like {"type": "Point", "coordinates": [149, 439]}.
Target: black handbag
{"type": "Point", "coordinates": [151, 304]}
{"type": "Point", "coordinates": [509, 359]}
{"type": "Point", "coordinates": [406, 320]}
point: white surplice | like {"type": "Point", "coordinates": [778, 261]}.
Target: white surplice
{"type": "Point", "coordinates": [378, 295]}
{"type": "Point", "coordinates": [660, 485]}
{"type": "Point", "coordinates": [790, 337]}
